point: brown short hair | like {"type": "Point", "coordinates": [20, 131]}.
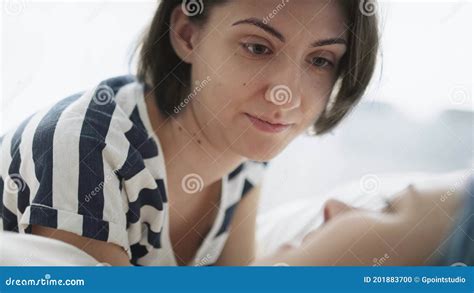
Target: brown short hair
{"type": "Point", "coordinates": [157, 58]}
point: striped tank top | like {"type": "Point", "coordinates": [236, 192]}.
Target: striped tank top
{"type": "Point", "coordinates": [92, 165]}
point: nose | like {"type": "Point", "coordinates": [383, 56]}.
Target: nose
{"type": "Point", "coordinates": [333, 208]}
{"type": "Point", "coordinates": [284, 90]}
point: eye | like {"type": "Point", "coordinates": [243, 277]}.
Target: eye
{"type": "Point", "coordinates": [257, 49]}
{"type": "Point", "coordinates": [321, 62]}
{"type": "Point", "coordinates": [389, 206]}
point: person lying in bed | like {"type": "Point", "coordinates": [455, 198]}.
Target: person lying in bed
{"type": "Point", "coordinates": [422, 225]}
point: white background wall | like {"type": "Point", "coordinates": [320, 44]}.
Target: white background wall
{"type": "Point", "coordinates": [52, 49]}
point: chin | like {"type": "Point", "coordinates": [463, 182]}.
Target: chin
{"type": "Point", "coordinates": [260, 158]}
{"type": "Point", "coordinates": [258, 146]}
{"type": "Point", "coordinates": [260, 151]}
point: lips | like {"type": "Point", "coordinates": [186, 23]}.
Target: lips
{"type": "Point", "coordinates": [266, 126]}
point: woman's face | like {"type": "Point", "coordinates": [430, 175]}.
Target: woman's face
{"type": "Point", "coordinates": [265, 60]}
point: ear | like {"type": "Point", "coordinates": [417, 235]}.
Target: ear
{"type": "Point", "coordinates": [183, 34]}
{"type": "Point", "coordinates": [335, 207]}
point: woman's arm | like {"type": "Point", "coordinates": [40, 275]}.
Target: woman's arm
{"type": "Point", "coordinates": [239, 249]}
{"type": "Point", "coordinates": [103, 252]}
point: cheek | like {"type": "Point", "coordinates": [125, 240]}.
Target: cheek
{"type": "Point", "coordinates": [229, 89]}
{"type": "Point", "coordinates": [314, 103]}
{"type": "Point", "coordinates": [219, 91]}
{"type": "Point", "coordinates": [222, 100]}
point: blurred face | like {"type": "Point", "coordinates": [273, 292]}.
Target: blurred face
{"type": "Point", "coordinates": [401, 209]}
{"type": "Point", "coordinates": [407, 231]}
{"type": "Point", "coordinates": [271, 66]}
{"type": "Point", "coordinates": [405, 206]}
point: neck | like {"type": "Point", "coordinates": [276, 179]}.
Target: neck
{"type": "Point", "coordinates": [187, 150]}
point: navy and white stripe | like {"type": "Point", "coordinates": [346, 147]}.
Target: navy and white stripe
{"type": "Point", "coordinates": [91, 165]}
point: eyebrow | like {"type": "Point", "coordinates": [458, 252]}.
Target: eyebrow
{"type": "Point", "coordinates": [268, 28]}
{"type": "Point", "coordinates": [331, 41]}
{"type": "Point", "coordinates": [274, 32]}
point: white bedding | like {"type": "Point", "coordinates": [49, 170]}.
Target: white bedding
{"type": "Point", "coordinates": [32, 250]}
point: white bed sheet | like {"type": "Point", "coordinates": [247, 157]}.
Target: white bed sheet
{"type": "Point", "coordinates": [32, 250]}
